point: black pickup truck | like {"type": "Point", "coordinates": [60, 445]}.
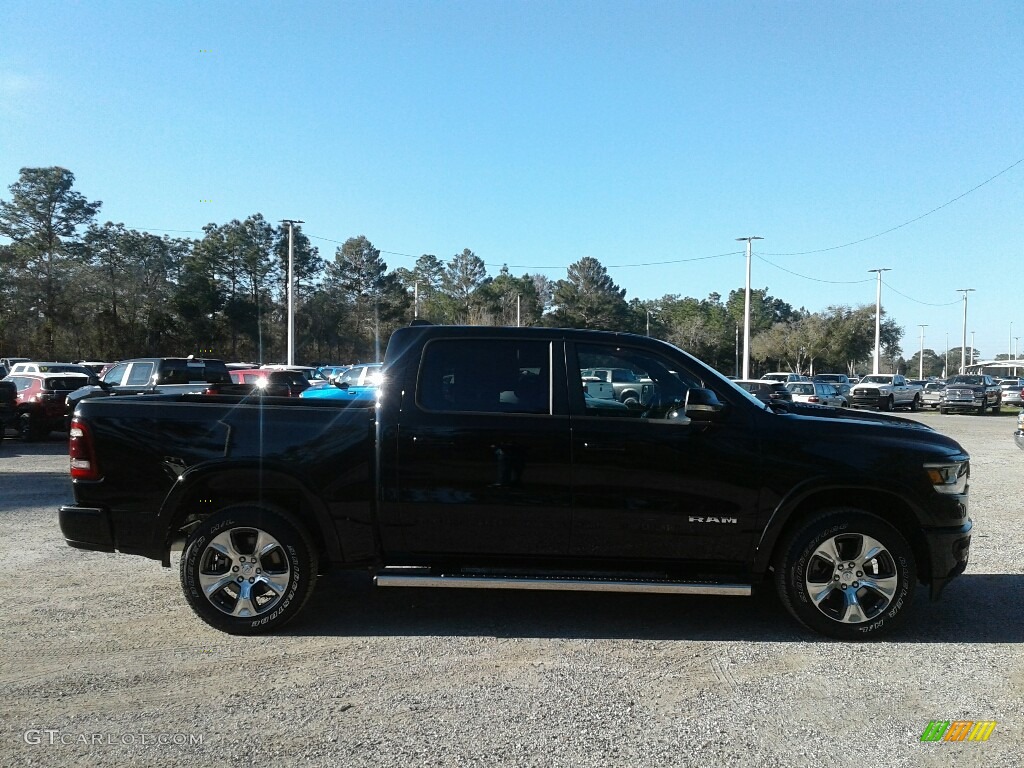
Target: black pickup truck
{"type": "Point", "coordinates": [479, 462]}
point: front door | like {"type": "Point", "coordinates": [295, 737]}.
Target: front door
{"type": "Point", "coordinates": [649, 484]}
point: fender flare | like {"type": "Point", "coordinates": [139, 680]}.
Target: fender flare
{"type": "Point", "coordinates": [273, 477]}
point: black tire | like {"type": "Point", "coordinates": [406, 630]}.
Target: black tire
{"type": "Point", "coordinates": [915, 405]}
{"type": "Point", "coordinates": [29, 429]}
{"type": "Point", "coordinates": [630, 398]}
{"type": "Point", "coordinates": [270, 588]}
{"type": "Point", "coordinates": [887, 404]}
{"type": "Point", "coordinates": [852, 604]}
{"type": "Point", "coordinates": [943, 411]}
{"type": "Point", "coordinates": [983, 407]}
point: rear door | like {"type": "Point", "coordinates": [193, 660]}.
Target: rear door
{"type": "Point", "coordinates": [483, 464]}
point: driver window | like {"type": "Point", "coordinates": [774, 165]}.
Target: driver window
{"type": "Point", "coordinates": [630, 383]}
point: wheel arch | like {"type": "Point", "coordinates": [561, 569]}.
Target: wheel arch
{"type": "Point", "coordinates": [885, 504]}
{"type": "Point", "coordinates": [203, 491]}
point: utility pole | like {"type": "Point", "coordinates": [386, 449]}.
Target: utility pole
{"type": "Point", "coordinates": [878, 316]}
{"type": "Point", "coordinates": [963, 345]}
{"type": "Point", "coordinates": [972, 347]}
{"type": "Point", "coordinates": [746, 310]}
{"type": "Point", "coordinates": [945, 365]}
{"type": "Point", "coordinates": [920, 359]}
{"type": "Point", "coordinates": [291, 289]}
{"type": "Point", "coordinates": [415, 299]}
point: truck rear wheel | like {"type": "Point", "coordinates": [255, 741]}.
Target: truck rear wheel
{"type": "Point", "coordinates": [248, 569]}
{"type": "Point", "coordinates": [847, 574]}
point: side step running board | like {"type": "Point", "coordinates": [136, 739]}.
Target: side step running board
{"type": "Point", "coordinates": [577, 584]}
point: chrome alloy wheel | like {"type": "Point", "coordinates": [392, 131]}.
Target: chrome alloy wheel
{"type": "Point", "coordinates": [851, 578]}
{"type": "Point", "coordinates": [244, 572]}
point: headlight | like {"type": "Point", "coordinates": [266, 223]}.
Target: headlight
{"type": "Point", "coordinates": [949, 478]}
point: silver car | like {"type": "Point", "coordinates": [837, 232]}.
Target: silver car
{"type": "Point", "coordinates": [1012, 394]}
{"type": "Point", "coordinates": [816, 392]}
{"type": "Point", "coordinates": [931, 395]}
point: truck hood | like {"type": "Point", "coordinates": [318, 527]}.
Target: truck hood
{"type": "Point", "coordinates": [845, 414]}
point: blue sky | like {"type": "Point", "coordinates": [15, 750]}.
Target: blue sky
{"type": "Point", "coordinates": [536, 133]}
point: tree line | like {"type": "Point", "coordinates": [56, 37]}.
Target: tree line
{"type": "Point", "coordinates": [71, 288]}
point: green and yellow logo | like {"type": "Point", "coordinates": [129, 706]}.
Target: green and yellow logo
{"type": "Point", "coordinates": [958, 730]}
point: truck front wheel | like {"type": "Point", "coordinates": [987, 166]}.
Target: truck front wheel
{"type": "Point", "coordinates": [847, 574]}
{"type": "Point", "coordinates": [247, 569]}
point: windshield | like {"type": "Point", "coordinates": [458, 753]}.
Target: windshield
{"type": "Point", "coordinates": [876, 380]}
{"type": "Point", "coordinates": [969, 380]}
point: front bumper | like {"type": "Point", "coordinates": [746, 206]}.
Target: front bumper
{"type": "Point", "coordinates": [950, 550]}
{"type": "Point", "coordinates": [869, 399]}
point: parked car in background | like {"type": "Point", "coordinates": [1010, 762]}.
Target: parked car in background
{"type": "Point", "coordinates": [1018, 436]}
{"type": "Point", "coordinates": [971, 392]}
{"type": "Point", "coordinates": [95, 366]}
{"type": "Point", "coordinates": [155, 375]}
{"type": "Point", "coordinates": [272, 383]}
{"type": "Point", "coordinates": [8, 406]}
{"type": "Point", "coordinates": [360, 382]}
{"type": "Point", "coordinates": [42, 401]}
{"type": "Point", "coordinates": [331, 372]}
{"type": "Point", "coordinates": [362, 375]}
{"type": "Point", "coordinates": [931, 394]}
{"type": "Point", "coordinates": [308, 371]}
{"type": "Point", "coordinates": [832, 378]}
{"type": "Point", "coordinates": [785, 376]}
{"type": "Point", "coordinates": [816, 393]}
{"type": "Point", "coordinates": [766, 391]}
{"type": "Point", "coordinates": [36, 367]}
{"type": "Point", "coordinates": [630, 387]}
{"type": "Point", "coordinates": [885, 391]}
{"type": "Point", "coordinates": [1012, 391]}
{"type": "Point", "coordinates": [6, 363]}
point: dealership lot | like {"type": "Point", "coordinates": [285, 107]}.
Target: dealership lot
{"type": "Point", "coordinates": [104, 663]}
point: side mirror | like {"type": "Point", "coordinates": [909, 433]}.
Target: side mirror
{"type": "Point", "coordinates": [702, 405]}
{"type": "Point", "coordinates": [340, 384]}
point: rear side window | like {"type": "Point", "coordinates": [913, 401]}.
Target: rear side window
{"type": "Point", "coordinates": [140, 374]}
{"type": "Point", "coordinates": [486, 375]}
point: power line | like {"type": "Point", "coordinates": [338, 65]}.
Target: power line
{"type": "Point", "coordinates": [815, 279]}
{"type": "Point", "coordinates": [906, 223]}
{"type": "Point", "coordinates": [918, 301]}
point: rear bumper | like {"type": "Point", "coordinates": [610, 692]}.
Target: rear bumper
{"type": "Point", "coordinates": [86, 528]}
{"type": "Point", "coordinates": [950, 551]}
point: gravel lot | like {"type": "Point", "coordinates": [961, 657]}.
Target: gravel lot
{"type": "Point", "coordinates": [104, 664]}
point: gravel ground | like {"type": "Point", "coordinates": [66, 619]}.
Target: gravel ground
{"type": "Point", "coordinates": [104, 664]}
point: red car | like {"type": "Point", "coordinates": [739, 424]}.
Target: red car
{"type": "Point", "coordinates": [42, 401]}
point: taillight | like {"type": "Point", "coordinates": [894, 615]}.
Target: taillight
{"type": "Point", "coordinates": [813, 399]}
{"type": "Point", "coordinates": [80, 449]}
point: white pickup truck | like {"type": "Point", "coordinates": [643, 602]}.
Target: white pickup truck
{"type": "Point", "coordinates": [886, 391]}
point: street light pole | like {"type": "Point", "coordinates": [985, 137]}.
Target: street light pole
{"type": "Point", "coordinates": [972, 347]}
{"type": "Point", "coordinates": [963, 345]}
{"type": "Point", "coordinates": [945, 364]}
{"type": "Point", "coordinates": [920, 358]}
{"type": "Point", "coordinates": [878, 316]}
{"type": "Point", "coordinates": [746, 310]}
{"type": "Point", "coordinates": [291, 289]}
